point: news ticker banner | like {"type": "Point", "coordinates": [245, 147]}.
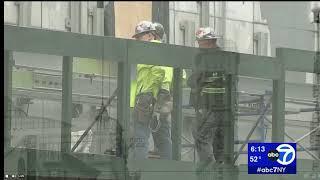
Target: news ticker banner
{"type": "Point", "coordinates": [272, 158]}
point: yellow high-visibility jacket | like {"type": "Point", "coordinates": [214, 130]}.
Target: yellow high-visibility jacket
{"type": "Point", "coordinates": [151, 78]}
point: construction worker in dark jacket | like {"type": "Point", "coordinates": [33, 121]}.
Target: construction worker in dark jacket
{"type": "Point", "coordinates": [207, 91]}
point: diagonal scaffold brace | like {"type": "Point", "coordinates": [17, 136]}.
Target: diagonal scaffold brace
{"type": "Point", "coordinates": [95, 120]}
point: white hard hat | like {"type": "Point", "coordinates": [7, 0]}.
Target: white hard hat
{"type": "Point", "coordinates": [159, 29]}
{"type": "Point", "coordinates": [144, 26]}
{"type": "Point", "coordinates": [205, 33]}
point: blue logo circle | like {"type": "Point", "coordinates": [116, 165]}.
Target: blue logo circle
{"type": "Point", "coordinates": [287, 154]}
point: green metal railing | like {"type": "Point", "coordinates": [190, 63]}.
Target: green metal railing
{"type": "Point", "coordinates": [130, 52]}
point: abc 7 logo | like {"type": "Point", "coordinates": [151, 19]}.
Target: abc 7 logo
{"type": "Point", "coordinates": [284, 154]}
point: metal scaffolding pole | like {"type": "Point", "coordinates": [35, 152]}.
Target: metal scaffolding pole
{"type": "Point", "coordinates": [204, 14]}
{"type": "Point", "coordinates": [98, 19]}
{"type": "Point", "coordinates": [292, 139]}
{"type": "Point", "coordinates": [262, 116]}
{"type": "Point", "coordinates": [262, 127]}
{"type": "Point", "coordinates": [315, 124]}
{"type": "Point", "coordinates": [24, 13]}
{"type": "Point", "coordinates": [306, 135]}
{"type": "Point", "coordinates": [160, 13]}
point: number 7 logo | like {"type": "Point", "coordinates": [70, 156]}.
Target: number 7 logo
{"type": "Point", "coordinates": [286, 150]}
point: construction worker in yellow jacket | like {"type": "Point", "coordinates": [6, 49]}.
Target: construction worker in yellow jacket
{"type": "Point", "coordinates": [151, 101]}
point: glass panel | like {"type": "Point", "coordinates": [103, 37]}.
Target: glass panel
{"type": "Point", "coordinates": [214, 99]}
{"type": "Point", "coordinates": [255, 115]}
{"type": "Point", "coordinates": [188, 149]}
{"type": "Point", "coordinates": [150, 135]}
{"type": "Point", "coordinates": [155, 131]}
{"type": "Point", "coordinates": [36, 81]}
{"type": "Point", "coordinates": [256, 28]}
{"type": "Point", "coordinates": [301, 116]}
{"type": "Point", "coordinates": [37, 115]}
{"type": "Point", "coordinates": [94, 81]}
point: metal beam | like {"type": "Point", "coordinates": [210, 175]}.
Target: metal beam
{"type": "Point", "coordinates": [7, 69]}
{"type": "Point", "coordinates": [306, 135]}
{"type": "Point", "coordinates": [32, 40]}
{"type": "Point", "coordinates": [278, 102]}
{"type": "Point", "coordinates": [176, 130]}
{"type": "Point", "coordinates": [109, 19]}
{"type": "Point", "coordinates": [160, 54]}
{"type": "Point", "coordinates": [223, 21]}
{"type": "Point", "coordinates": [75, 14]}
{"type": "Point", "coordinates": [66, 111]}
{"type": "Point", "coordinates": [24, 17]}
{"type": "Point", "coordinates": [160, 14]}
{"type": "Point", "coordinates": [83, 17]}
{"type": "Point", "coordinates": [98, 19]}
{"type": "Point", "coordinates": [297, 60]}
{"type": "Point", "coordinates": [267, 67]}
{"type": "Point", "coordinates": [57, 96]}
{"type": "Point", "coordinates": [204, 13]}
{"type": "Point", "coordinates": [80, 45]}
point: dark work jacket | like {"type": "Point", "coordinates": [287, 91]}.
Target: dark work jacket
{"type": "Point", "coordinates": [197, 81]}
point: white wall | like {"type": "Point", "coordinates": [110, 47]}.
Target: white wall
{"type": "Point", "coordinates": [10, 12]}
{"type": "Point", "coordinates": [239, 28]}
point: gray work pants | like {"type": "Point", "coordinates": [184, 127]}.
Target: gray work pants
{"type": "Point", "coordinates": [139, 144]}
{"type": "Point", "coordinates": [208, 135]}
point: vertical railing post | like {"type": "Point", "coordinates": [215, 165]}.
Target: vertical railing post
{"type": "Point", "coordinates": [67, 72]}
{"type": "Point", "coordinates": [66, 116]}
{"type": "Point", "coordinates": [278, 102]}
{"type": "Point", "coordinates": [7, 69]}
{"type": "Point", "coordinates": [230, 117]}
{"type": "Point", "coordinates": [123, 106]}
{"type": "Point", "coordinates": [176, 130]}
{"type": "Point", "coordinates": [123, 114]}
